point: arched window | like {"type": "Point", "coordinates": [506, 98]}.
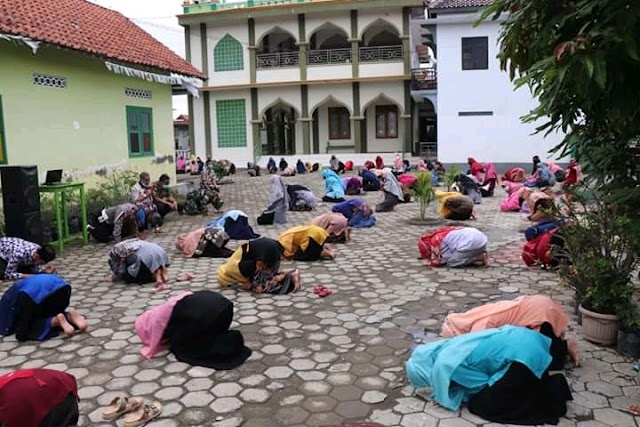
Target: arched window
{"type": "Point", "coordinates": [228, 55]}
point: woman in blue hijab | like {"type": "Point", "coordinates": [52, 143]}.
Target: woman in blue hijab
{"type": "Point", "coordinates": [35, 308]}
{"type": "Point", "coordinates": [370, 181]}
{"type": "Point", "coordinates": [333, 185]}
{"type": "Point", "coordinates": [501, 373]}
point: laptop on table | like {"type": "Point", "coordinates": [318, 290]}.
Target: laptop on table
{"type": "Point", "coordinates": [53, 177]}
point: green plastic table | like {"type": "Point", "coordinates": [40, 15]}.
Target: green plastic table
{"type": "Point", "coordinates": [59, 199]}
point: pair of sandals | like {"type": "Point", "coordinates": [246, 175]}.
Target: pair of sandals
{"type": "Point", "coordinates": [139, 412]}
{"type": "Point", "coordinates": [322, 291]}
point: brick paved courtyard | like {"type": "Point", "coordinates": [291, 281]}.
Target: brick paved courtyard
{"type": "Point", "coordinates": [315, 362]}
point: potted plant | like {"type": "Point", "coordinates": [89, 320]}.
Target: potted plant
{"type": "Point", "coordinates": [423, 191]}
{"type": "Point", "coordinates": [629, 335]}
{"type": "Point", "coordinates": [598, 256]}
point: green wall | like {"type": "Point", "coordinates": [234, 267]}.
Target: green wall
{"type": "Point", "coordinates": [81, 129]}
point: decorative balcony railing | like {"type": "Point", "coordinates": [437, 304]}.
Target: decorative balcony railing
{"type": "Point", "coordinates": [329, 56]}
{"type": "Point", "coordinates": [200, 6]}
{"type": "Point", "coordinates": [381, 53]}
{"type": "Point", "coordinates": [424, 79]}
{"type": "Point", "coordinates": [274, 60]}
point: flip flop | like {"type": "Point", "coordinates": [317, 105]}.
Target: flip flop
{"type": "Point", "coordinates": [143, 415]}
{"type": "Point", "coordinates": [121, 405]}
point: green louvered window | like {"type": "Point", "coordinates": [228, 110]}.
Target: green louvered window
{"type": "Point", "coordinates": [231, 120]}
{"type": "Point", "coordinates": [228, 55]}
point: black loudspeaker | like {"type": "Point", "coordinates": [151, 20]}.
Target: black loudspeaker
{"type": "Point", "coordinates": [21, 202]}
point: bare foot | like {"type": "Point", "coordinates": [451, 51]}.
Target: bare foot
{"type": "Point", "coordinates": [164, 273]}
{"type": "Point", "coordinates": [485, 259]}
{"type": "Point", "coordinates": [60, 321]}
{"type": "Point", "coordinates": [572, 349]}
{"type": "Point", "coordinates": [162, 287]}
{"type": "Point", "coordinates": [297, 281]}
{"type": "Point", "coordinates": [77, 319]}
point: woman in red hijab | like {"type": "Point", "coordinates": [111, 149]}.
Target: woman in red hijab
{"type": "Point", "coordinates": [38, 398]}
{"type": "Point", "coordinates": [475, 168]}
{"type": "Point", "coordinates": [379, 163]}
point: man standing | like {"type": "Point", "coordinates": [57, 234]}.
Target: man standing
{"type": "Point", "coordinates": [17, 254]}
{"type": "Point", "coordinates": [162, 198]}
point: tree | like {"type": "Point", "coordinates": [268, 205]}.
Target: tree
{"type": "Point", "coordinates": [581, 59]}
{"type": "Point", "coordinates": [423, 191]}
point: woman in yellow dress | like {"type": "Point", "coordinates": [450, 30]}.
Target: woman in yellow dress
{"type": "Point", "coordinates": [255, 267]}
{"type": "Point", "coordinates": [306, 243]}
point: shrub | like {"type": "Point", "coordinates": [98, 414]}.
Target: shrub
{"type": "Point", "coordinates": [423, 191]}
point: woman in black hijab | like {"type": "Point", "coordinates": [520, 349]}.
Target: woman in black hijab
{"type": "Point", "coordinates": [198, 332]}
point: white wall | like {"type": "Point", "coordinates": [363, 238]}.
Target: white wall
{"type": "Point", "coordinates": [240, 155]}
{"type": "Point", "coordinates": [319, 94]}
{"type": "Point", "coordinates": [324, 72]}
{"type": "Point", "coordinates": [197, 122]}
{"type": "Point", "coordinates": [392, 15]}
{"type": "Point", "coordinates": [285, 74]}
{"type": "Point", "coordinates": [498, 138]}
{"type": "Point", "coordinates": [339, 19]}
{"type": "Point", "coordinates": [215, 33]}
{"type": "Point", "coordinates": [286, 22]}
{"type": "Point", "coordinates": [268, 97]}
{"type": "Point", "coordinates": [381, 69]}
{"type": "Point", "coordinates": [392, 91]}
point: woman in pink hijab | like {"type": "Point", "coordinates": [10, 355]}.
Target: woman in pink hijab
{"type": "Point", "coordinates": [531, 311]}
{"type": "Point", "coordinates": [490, 179]}
{"type": "Point", "coordinates": [336, 225]}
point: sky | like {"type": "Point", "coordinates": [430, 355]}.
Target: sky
{"type": "Point", "coordinates": [158, 18]}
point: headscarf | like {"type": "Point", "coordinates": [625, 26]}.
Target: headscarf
{"type": "Point", "coordinates": [391, 184]}
{"type": "Point", "coordinates": [379, 162]}
{"type": "Point", "coordinates": [536, 161]}
{"type": "Point", "coordinates": [119, 253]}
{"type": "Point", "coordinates": [298, 237]}
{"type": "Point", "coordinates": [447, 366]}
{"type": "Point", "coordinates": [308, 166]}
{"type": "Point", "coordinates": [334, 223]}
{"type": "Point", "coordinates": [188, 243]}
{"type": "Point", "coordinates": [475, 167]}
{"type": "Point", "coordinates": [278, 191]}
{"type": "Point", "coordinates": [371, 178]}
{"type": "Point", "coordinates": [399, 165]}
{"type": "Point", "coordinates": [334, 162]}
{"type": "Point", "coordinates": [333, 184]}
{"type": "Point", "coordinates": [489, 172]}
{"type": "Point", "coordinates": [271, 163]}
{"type": "Point", "coordinates": [300, 168]}
{"type": "Point", "coordinates": [553, 166]}
{"type": "Point", "coordinates": [264, 249]}
{"type": "Point", "coordinates": [422, 166]}
{"type": "Point", "coordinates": [530, 311]}
{"type": "Point", "coordinates": [283, 164]}
{"type": "Point", "coordinates": [369, 165]}
{"type": "Point", "coordinates": [198, 332]}
{"type": "Point", "coordinates": [150, 326]}
{"type": "Point", "coordinates": [27, 396]}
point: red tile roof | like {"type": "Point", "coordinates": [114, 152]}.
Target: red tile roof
{"type": "Point", "coordinates": [455, 4]}
{"type": "Point", "coordinates": [87, 27]}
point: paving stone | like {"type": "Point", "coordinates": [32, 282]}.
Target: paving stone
{"type": "Point", "coordinates": [310, 352]}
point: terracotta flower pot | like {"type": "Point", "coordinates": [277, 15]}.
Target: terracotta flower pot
{"type": "Point", "coordinates": [599, 328]}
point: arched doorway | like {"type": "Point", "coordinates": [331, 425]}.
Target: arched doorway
{"type": "Point", "coordinates": [427, 130]}
{"type": "Point", "coordinates": [278, 133]}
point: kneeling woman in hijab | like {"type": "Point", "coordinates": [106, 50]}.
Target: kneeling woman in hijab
{"type": "Point", "coordinates": [393, 193]}
{"type": "Point", "coordinates": [140, 262]}
{"type": "Point", "coordinates": [236, 224]}
{"type": "Point", "coordinates": [35, 308]}
{"type": "Point", "coordinates": [38, 398]}
{"type": "Point", "coordinates": [370, 181]}
{"type": "Point", "coordinates": [208, 242]}
{"type": "Point", "coordinates": [454, 205]}
{"type": "Point", "coordinates": [503, 375]}
{"type": "Point", "coordinates": [357, 212]}
{"type": "Point", "coordinates": [454, 247]}
{"type": "Point", "coordinates": [255, 267]}
{"type": "Point", "coordinates": [336, 225]}
{"type": "Point", "coordinates": [333, 185]}
{"type": "Point", "coordinates": [306, 243]}
{"type": "Point", "coordinates": [195, 328]}
{"type": "Point", "coordinates": [301, 198]}
{"type": "Point", "coordinates": [278, 203]}
{"type": "Point", "coordinates": [537, 312]}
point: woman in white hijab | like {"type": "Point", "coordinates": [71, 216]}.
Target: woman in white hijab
{"type": "Point", "coordinates": [278, 200]}
{"type": "Point", "coordinates": [392, 192]}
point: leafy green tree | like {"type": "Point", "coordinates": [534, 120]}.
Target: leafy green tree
{"type": "Point", "coordinates": [581, 59]}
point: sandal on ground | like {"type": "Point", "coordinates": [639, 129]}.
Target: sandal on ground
{"type": "Point", "coordinates": [121, 405]}
{"type": "Point", "coordinates": [143, 415]}
{"type": "Point", "coordinates": [634, 410]}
